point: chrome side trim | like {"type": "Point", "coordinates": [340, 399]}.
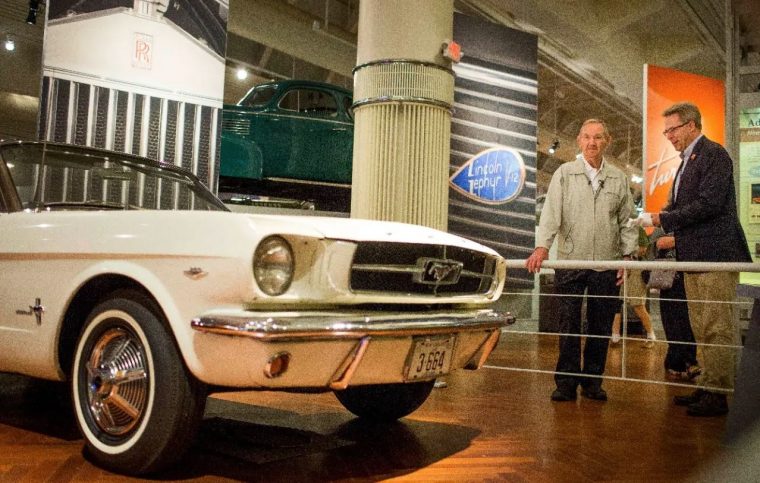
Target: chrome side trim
{"type": "Point", "coordinates": [343, 376]}
{"type": "Point", "coordinates": [278, 114]}
{"type": "Point", "coordinates": [279, 326]}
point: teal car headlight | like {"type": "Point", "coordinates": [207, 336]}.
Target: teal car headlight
{"type": "Point", "coordinates": [273, 265]}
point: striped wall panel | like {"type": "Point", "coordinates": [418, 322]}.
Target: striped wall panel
{"type": "Point", "coordinates": [495, 106]}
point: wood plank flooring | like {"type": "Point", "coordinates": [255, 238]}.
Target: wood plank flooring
{"type": "Point", "coordinates": [490, 425]}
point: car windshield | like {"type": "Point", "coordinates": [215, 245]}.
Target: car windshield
{"type": "Point", "coordinates": [259, 96]}
{"type": "Point", "coordinates": [57, 177]}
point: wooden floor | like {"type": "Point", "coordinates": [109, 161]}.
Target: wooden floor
{"type": "Point", "coordinates": [490, 425]}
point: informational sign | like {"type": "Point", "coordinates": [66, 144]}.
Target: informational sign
{"type": "Point", "coordinates": [665, 87]}
{"type": "Point", "coordinates": [493, 176]}
{"type": "Point", "coordinates": [749, 184]}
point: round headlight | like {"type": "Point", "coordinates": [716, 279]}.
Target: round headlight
{"type": "Point", "coordinates": [273, 265]}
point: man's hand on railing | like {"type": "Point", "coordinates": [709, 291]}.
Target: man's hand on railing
{"type": "Point", "coordinates": [534, 261]}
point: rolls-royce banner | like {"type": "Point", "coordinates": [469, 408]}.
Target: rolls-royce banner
{"type": "Point", "coordinates": [138, 76]}
{"type": "Point", "coordinates": [493, 176]}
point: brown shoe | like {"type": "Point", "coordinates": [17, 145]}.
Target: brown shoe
{"type": "Point", "coordinates": [693, 372]}
{"type": "Point", "coordinates": [710, 404]}
{"type": "Point", "coordinates": [692, 398]}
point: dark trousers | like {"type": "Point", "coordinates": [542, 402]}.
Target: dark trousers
{"type": "Point", "coordinates": [675, 321]}
{"type": "Point", "coordinates": [599, 313]}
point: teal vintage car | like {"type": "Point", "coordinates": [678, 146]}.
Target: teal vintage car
{"type": "Point", "coordinates": [288, 133]}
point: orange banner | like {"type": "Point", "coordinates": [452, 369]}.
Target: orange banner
{"type": "Point", "coordinates": [665, 87]}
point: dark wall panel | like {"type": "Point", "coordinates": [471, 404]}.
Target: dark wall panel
{"type": "Point", "coordinates": [495, 105]}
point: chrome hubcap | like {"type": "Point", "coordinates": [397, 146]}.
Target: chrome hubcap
{"type": "Point", "coordinates": [117, 381]}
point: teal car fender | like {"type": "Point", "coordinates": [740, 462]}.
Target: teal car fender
{"type": "Point", "coordinates": [242, 158]}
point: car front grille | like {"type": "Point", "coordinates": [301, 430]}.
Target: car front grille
{"type": "Point", "coordinates": [236, 124]}
{"type": "Point", "coordinates": [414, 269]}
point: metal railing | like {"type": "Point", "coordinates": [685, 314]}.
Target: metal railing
{"type": "Point", "coordinates": [626, 266]}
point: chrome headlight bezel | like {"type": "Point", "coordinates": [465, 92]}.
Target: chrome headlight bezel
{"type": "Point", "coordinates": [273, 265]}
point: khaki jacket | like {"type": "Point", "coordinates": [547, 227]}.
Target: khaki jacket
{"type": "Point", "coordinates": [588, 225]}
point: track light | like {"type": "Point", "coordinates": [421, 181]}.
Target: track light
{"type": "Point", "coordinates": [31, 17]}
{"type": "Point", "coordinates": [554, 147]}
{"type": "Point", "coordinates": [10, 45]}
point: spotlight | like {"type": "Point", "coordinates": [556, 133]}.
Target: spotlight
{"type": "Point", "coordinates": [241, 74]}
{"type": "Point", "coordinates": [10, 45]}
{"type": "Point", "coordinates": [553, 148]}
{"type": "Point", "coordinates": [31, 17]}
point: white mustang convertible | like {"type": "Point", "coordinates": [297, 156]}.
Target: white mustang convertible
{"type": "Point", "coordinates": [133, 282]}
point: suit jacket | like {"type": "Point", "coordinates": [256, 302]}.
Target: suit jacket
{"type": "Point", "coordinates": [703, 216]}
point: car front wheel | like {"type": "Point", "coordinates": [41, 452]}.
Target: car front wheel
{"type": "Point", "coordinates": [136, 404]}
{"type": "Point", "coordinates": [385, 402]}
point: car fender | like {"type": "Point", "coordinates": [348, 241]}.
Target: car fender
{"type": "Point", "coordinates": [243, 157]}
{"type": "Point", "coordinates": [159, 285]}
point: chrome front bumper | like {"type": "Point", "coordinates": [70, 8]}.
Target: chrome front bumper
{"type": "Point", "coordinates": [290, 331]}
{"type": "Point", "coordinates": [352, 325]}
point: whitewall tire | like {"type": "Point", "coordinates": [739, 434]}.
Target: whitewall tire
{"type": "Point", "coordinates": [136, 404]}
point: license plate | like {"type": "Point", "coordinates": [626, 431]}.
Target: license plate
{"type": "Point", "coordinates": [430, 357]}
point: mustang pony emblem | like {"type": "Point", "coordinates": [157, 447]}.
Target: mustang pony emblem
{"type": "Point", "coordinates": [436, 271]}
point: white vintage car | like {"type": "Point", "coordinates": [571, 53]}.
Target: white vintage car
{"type": "Point", "coordinates": [133, 282]}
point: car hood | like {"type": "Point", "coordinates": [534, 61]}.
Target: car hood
{"type": "Point", "coordinates": [354, 229]}
{"type": "Point", "coordinates": [195, 231]}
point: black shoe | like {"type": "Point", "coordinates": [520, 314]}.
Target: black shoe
{"type": "Point", "coordinates": [598, 394]}
{"type": "Point", "coordinates": [692, 398]}
{"type": "Point", "coordinates": [710, 404]}
{"type": "Point", "coordinates": [561, 396]}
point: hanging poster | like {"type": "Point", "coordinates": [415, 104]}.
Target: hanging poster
{"type": "Point", "coordinates": [664, 87]}
{"type": "Point", "coordinates": [139, 76]}
{"type": "Point", "coordinates": [492, 178]}
{"type": "Point", "coordinates": [749, 184]}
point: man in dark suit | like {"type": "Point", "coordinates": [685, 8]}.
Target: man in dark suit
{"type": "Point", "coordinates": [702, 214]}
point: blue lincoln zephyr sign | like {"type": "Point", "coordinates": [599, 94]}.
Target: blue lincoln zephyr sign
{"type": "Point", "coordinates": [493, 176]}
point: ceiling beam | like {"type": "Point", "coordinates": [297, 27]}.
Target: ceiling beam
{"type": "Point", "coordinates": [292, 31]}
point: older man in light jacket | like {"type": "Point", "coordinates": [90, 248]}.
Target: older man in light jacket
{"type": "Point", "coordinates": [587, 209]}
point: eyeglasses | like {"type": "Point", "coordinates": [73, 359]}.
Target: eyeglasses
{"type": "Point", "coordinates": [671, 129]}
